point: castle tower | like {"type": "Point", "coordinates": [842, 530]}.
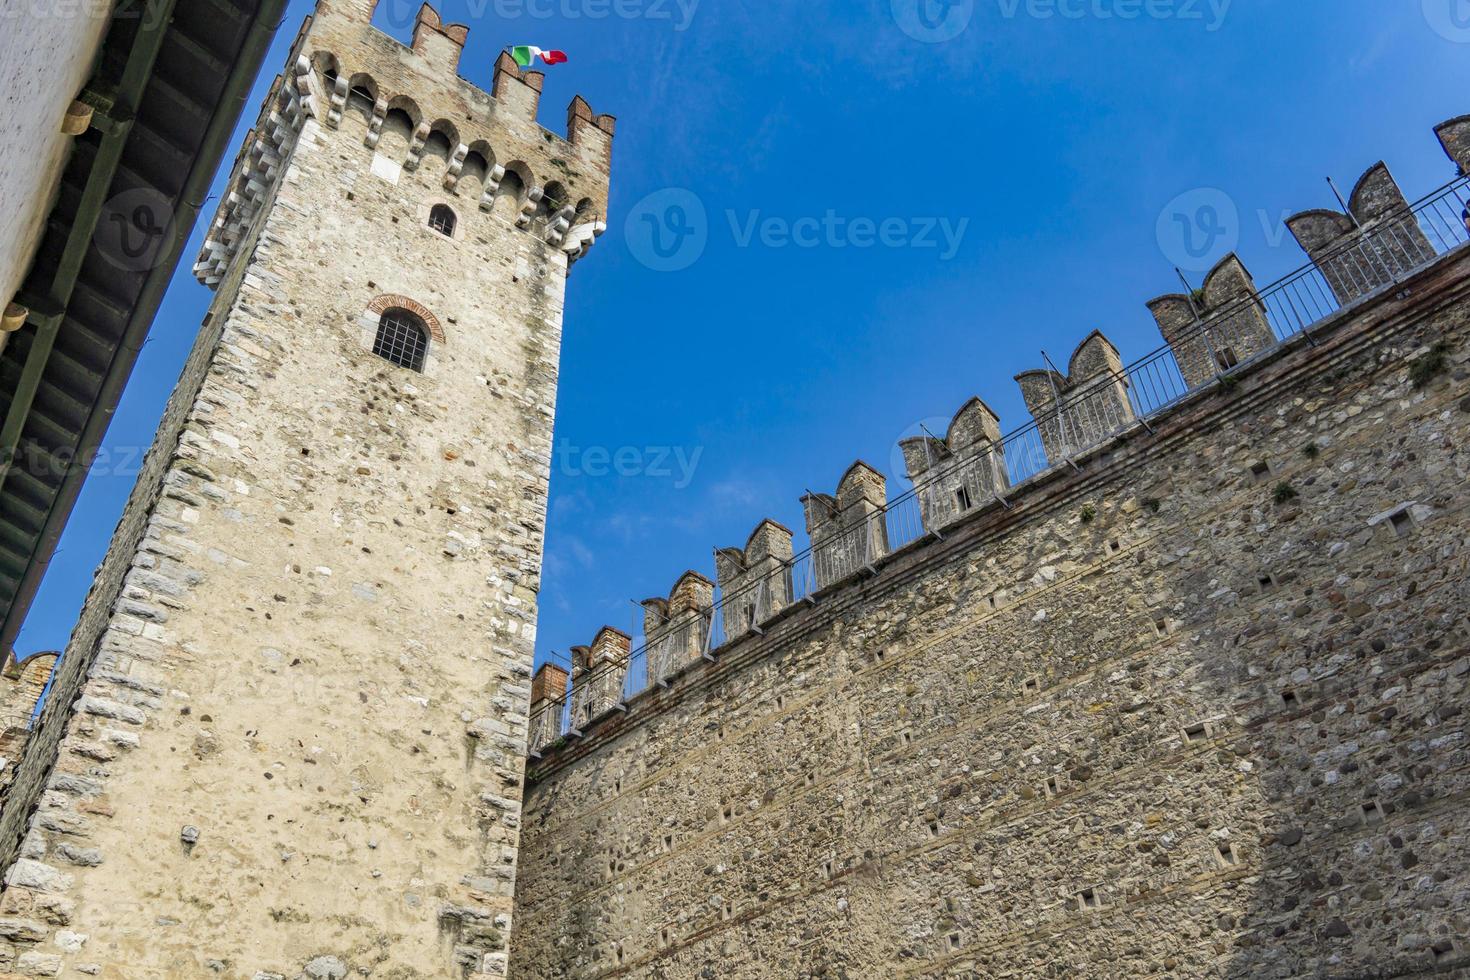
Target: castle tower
{"type": "Point", "coordinates": [287, 737]}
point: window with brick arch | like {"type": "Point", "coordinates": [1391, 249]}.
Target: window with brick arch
{"type": "Point", "coordinates": [402, 339]}
{"type": "Point", "coordinates": [442, 219]}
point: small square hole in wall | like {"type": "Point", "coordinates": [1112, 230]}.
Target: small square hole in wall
{"type": "Point", "coordinates": [826, 869]}
{"type": "Point", "coordinates": [727, 912]}
{"type": "Point", "coordinates": [618, 952]}
{"type": "Point", "coordinates": [1162, 626]}
{"type": "Point", "coordinates": [1261, 472]}
{"type": "Point", "coordinates": [617, 785]}
{"type": "Point", "coordinates": [1372, 812]}
{"type": "Point", "coordinates": [880, 655]}
{"type": "Point", "coordinates": [780, 702]}
{"type": "Point", "coordinates": [1031, 685]}
{"type": "Point", "coordinates": [962, 498]}
{"type": "Point", "coordinates": [908, 738]}
{"type": "Point", "coordinates": [1196, 732]}
{"type": "Point", "coordinates": [1289, 699]}
{"type": "Point", "coordinates": [1225, 358]}
{"type": "Point", "coordinates": [1226, 856]}
{"type": "Point", "coordinates": [811, 779]}
{"type": "Point", "coordinates": [933, 828]}
{"type": "Point", "coordinates": [1401, 523]}
{"type": "Point", "coordinates": [954, 940]}
{"type": "Point", "coordinates": [668, 843]}
{"type": "Point", "coordinates": [665, 935]}
{"type": "Point", "coordinates": [351, 196]}
{"type": "Point", "coordinates": [1115, 546]}
{"type": "Point", "coordinates": [726, 814]}
{"type": "Point", "coordinates": [1087, 899]}
{"type": "Point", "coordinates": [1267, 582]}
{"type": "Point", "coordinates": [1053, 786]}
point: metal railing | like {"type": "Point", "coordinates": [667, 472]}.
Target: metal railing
{"type": "Point", "coordinates": [1372, 259]}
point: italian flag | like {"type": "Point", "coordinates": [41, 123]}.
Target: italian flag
{"type": "Point", "coordinates": [525, 54]}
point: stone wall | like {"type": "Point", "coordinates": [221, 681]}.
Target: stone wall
{"type": "Point", "coordinates": [287, 736]}
{"type": "Point", "coordinates": [1193, 707]}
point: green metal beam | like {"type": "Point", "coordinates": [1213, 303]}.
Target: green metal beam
{"type": "Point", "coordinates": [118, 122]}
{"type": "Point", "coordinates": [191, 198]}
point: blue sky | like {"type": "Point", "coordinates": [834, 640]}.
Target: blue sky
{"type": "Point", "coordinates": [1047, 136]}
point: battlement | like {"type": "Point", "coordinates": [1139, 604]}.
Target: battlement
{"type": "Point", "coordinates": [412, 113]}
{"type": "Point", "coordinates": [1214, 336]}
{"type": "Point", "coordinates": [1377, 215]}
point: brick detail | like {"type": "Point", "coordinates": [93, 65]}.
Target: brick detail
{"type": "Point", "coordinates": [391, 301]}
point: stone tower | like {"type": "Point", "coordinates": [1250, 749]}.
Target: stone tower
{"type": "Point", "coordinates": [287, 737]}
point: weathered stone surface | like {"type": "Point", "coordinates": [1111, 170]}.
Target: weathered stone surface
{"type": "Point", "coordinates": [1207, 732]}
{"type": "Point", "coordinates": [254, 759]}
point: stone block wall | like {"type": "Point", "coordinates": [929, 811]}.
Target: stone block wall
{"type": "Point", "coordinates": [1191, 708]}
{"type": "Point", "coordinates": [287, 737]}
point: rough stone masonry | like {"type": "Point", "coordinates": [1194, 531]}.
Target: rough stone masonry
{"type": "Point", "coordinates": [1189, 702]}
{"type": "Point", "coordinates": [287, 738]}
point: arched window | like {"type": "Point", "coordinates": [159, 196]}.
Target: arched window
{"type": "Point", "coordinates": [441, 219]}
{"type": "Point", "coordinates": [401, 339]}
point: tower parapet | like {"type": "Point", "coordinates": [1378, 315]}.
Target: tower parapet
{"type": "Point", "coordinates": [1219, 326]}
{"type": "Point", "coordinates": [598, 672]}
{"type": "Point", "coordinates": [1378, 240]}
{"type": "Point", "coordinates": [847, 530]}
{"type": "Point", "coordinates": [1454, 137]}
{"type": "Point", "coordinates": [676, 629]}
{"type": "Point", "coordinates": [548, 690]}
{"type": "Point", "coordinates": [960, 472]}
{"type": "Point", "coordinates": [410, 109]}
{"type": "Point", "coordinates": [1082, 408]}
{"type": "Point", "coordinates": [755, 581]}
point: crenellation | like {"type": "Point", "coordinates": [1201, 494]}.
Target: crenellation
{"type": "Point", "coordinates": [676, 630]}
{"type": "Point", "coordinates": [359, 569]}
{"type": "Point", "coordinates": [1217, 328]}
{"type": "Point", "coordinates": [1076, 411]}
{"type": "Point", "coordinates": [960, 472]}
{"type": "Point", "coordinates": [1371, 246]}
{"type": "Point", "coordinates": [1454, 138]}
{"type": "Point", "coordinates": [847, 531]}
{"type": "Point", "coordinates": [1170, 706]}
{"type": "Point", "coordinates": [598, 672]}
{"type": "Point", "coordinates": [754, 581]}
